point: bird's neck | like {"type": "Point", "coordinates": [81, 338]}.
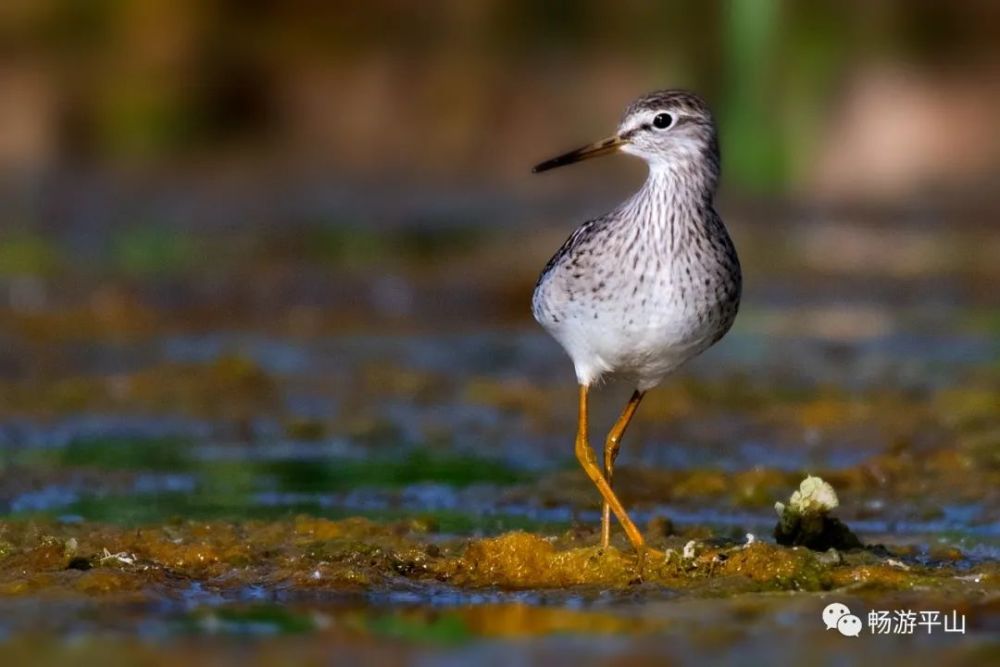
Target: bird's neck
{"type": "Point", "coordinates": [673, 191]}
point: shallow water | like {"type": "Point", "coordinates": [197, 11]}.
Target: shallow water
{"type": "Point", "coordinates": [160, 463]}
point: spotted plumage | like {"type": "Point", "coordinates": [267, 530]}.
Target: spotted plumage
{"type": "Point", "coordinates": [639, 291]}
{"type": "Point", "coordinates": [655, 282]}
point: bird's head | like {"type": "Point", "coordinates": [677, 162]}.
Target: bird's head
{"type": "Point", "coordinates": [668, 129]}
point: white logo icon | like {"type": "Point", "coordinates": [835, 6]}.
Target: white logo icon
{"type": "Point", "coordinates": [833, 613]}
{"type": "Point", "coordinates": [849, 625]}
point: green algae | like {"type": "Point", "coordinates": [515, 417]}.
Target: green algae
{"type": "Point", "coordinates": [121, 453]}
{"type": "Point", "coordinates": [418, 466]}
{"type": "Point", "coordinates": [155, 251]}
{"type": "Point", "coordinates": [172, 507]}
{"type": "Point", "coordinates": [251, 620]}
{"type": "Point", "coordinates": [447, 628]}
{"type": "Point", "coordinates": [327, 474]}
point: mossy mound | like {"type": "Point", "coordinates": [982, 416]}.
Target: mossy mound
{"type": "Point", "coordinates": [355, 555]}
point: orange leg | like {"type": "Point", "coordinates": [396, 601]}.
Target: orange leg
{"type": "Point", "coordinates": [585, 455]}
{"type": "Point", "coordinates": [611, 446]}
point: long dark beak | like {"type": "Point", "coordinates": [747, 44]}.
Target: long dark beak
{"type": "Point", "coordinates": [597, 149]}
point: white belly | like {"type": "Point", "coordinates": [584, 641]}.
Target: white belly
{"type": "Point", "coordinates": [642, 336]}
{"type": "Point", "coordinates": [638, 296]}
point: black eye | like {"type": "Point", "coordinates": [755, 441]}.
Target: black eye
{"type": "Point", "coordinates": [663, 121]}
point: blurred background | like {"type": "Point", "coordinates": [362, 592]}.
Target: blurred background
{"type": "Point", "coordinates": [305, 164]}
{"type": "Point", "coordinates": [260, 258]}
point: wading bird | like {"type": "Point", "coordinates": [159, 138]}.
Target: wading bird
{"type": "Point", "coordinates": [639, 291]}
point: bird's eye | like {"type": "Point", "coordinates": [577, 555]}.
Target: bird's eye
{"type": "Point", "coordinates": [662, 121]}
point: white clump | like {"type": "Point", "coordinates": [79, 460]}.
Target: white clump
{"type": "Point", "coordinates": [71, 546]}
{"type": "Point", "coordinates": [814, 496]}
{"type": "Point", "coordinates": [751, 538]}
{"type": "Point", "coordinates": [122, 557]}
{"type": "Point", "coordinates": [688, 552]}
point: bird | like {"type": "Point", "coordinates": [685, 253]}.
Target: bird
{"type": "Point", "coordinates": [637, 292]}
